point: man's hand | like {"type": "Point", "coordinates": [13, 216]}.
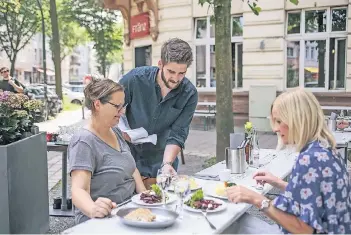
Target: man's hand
{"type": "Point", "coordinates": [169, 169]}
{"type": "Point", "coordinates": [126, 137]}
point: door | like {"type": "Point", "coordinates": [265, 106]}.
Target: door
{"type": "Point", "coordinates": [143, 56]}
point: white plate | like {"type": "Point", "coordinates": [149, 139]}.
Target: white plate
{"type": "Point", "coordinates": [171, 188]}
{"type": "Point", "coordinates": [136, 199]}
{"type": "Point", "coordinates": [220, 208]}
{"type": "Point", "coordinates": [214, 194]}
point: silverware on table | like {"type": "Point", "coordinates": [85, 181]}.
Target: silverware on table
{"type": "Point", "coordinates": [204, 213]}
{"type": "Point", "coordinates": [207, 177]}
{"type": "Point", "coordinates": [115, 210]}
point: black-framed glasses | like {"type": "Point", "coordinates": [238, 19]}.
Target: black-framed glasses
{"type": "Point", "coordinates": [119, 107]}
{"type": "Point", "coordinates": [5, 71]}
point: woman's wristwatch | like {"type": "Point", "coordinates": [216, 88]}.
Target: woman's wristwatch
{"type": "Point", "coordinates": [265, 204]}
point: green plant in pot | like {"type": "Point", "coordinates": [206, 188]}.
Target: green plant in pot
{"type": "Point", "coordinates": [16, 116]}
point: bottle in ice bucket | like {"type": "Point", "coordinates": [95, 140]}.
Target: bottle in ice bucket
{"type": "Point", "coordinates": [255, 153]}
{"type": "Point", "coordinates": [248, 142]}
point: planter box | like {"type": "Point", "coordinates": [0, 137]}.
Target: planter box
{"type": "Point", "coordinates": [24, 196]}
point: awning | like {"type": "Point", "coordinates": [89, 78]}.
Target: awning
{"type": "Point", "coordinates": [312, 69]}
{"type": "Point", "coordinates": [48, 72]}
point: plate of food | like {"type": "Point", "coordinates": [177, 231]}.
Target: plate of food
{"type": "Point", "coordinates": [198, 202]}
{"type": "Point", "coordinates": [153, 197]}
{"type": "Point", "coordinates": [220, 190]}
{"type": "Point", "coordinates": [147, 217]}
{"type": "Point", "coordinates": [192, 183]}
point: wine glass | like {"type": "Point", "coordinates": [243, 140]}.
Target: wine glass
{"type": "Point", "coordinates": [181, 189]}
{"type": "Point", "coordinates": [163, 180]}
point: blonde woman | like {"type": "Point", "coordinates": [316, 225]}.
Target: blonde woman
{"type": "Point", "coordinates": [317, 197]}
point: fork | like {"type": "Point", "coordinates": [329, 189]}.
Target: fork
{"type": "Point", "coordinates": [204, 213]}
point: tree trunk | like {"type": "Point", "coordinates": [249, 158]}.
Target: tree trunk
{"type": "Point", "coordinates": [13, 62]}
{"type": "Point", "coordinates": [224, 116]}
{"type": "Point", "coordinates": [103, 67]}
{"type": "Point", "coordinates": [56, 47]}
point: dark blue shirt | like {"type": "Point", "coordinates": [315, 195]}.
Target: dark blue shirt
{"type": "Point", "coordinates": [169, 117]}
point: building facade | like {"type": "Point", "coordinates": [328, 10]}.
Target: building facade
{"type": "Point", "coordinates": [29, 63]}
{"type": "Point", "coordinates": [308, 45]}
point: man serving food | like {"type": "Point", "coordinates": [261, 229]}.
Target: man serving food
{"type": "Point", "coordinates": [162, 101]}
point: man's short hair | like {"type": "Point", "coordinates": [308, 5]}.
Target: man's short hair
{"type": "Point", "coordinates": [4, 68]}
{"type": "Point", "coordinates": [178, 51]}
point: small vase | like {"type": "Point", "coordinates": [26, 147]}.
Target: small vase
{"type": "Point", "coordinates": [34, 130]}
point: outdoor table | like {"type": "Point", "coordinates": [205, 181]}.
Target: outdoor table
{"type": "Point", "coordinates": [64, 211]}
{"type": "Point", "coordinates": [343, 141]}
{"type": "Point", "coordinates": [347, 108]}
{"type": "Point", "coordinates": [211, 106]}
{"type": "Point", "coordinates": [280, 163]}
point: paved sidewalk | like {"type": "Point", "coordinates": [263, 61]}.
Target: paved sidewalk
{"type": "Point", "coordinates": [67, 118]}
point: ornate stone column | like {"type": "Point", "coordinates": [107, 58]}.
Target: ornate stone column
{"type": "Point", "coordinates": [125, 7]}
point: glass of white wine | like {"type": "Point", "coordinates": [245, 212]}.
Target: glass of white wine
{"type": "Point", "coordinates": [163, 180]}
{"type": "Point", "coordinates": [181, 189]}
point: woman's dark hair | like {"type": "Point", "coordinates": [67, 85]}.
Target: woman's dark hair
{"type": "Point", "coordinates": [100, 89]}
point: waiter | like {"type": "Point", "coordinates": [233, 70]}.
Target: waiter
{"type": "Point", "coordinates": [9, 84]}
{"type": "Point", "coordinates": [162, 101]}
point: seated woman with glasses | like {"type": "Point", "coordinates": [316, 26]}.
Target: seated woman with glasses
{"type": "Point", "coordinates": [101, 166]}
{"type": "Point", "coordinates": [317, 197]}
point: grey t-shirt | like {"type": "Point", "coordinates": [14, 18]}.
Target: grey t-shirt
{"type": "Point", "coordinates": [111, 169]}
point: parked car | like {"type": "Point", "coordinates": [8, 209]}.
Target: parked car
{"type": "Point", "coordinates": [74, 88]}
{"type": "Point", "coordinates": [52, 107]}
{"type": "Point", "coordinates": [73, 97]}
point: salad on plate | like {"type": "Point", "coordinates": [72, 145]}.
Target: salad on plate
{"type": "Point", "coordinates": [197, 201]}
{"type": "Point", "coordinates": [152, 196]}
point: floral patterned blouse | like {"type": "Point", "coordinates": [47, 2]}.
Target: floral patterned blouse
{"type": "Point", "coordinates": [319, 191]}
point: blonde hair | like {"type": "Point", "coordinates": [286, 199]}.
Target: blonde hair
{"type": "Point", "coordinates": [301, 111]}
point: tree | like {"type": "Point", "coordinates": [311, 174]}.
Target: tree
{"type": "Point", "coordinates": [56, 47]}
{"type": "Point", "coordinates": [64, 35]}
{"type": "Point", "coordinates": [224, 96]}
{"type": "Point", "coordinates": [102, 26]}
{"type": "Point", "coordinates": [19, 22]}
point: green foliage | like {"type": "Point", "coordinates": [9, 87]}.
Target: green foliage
{"type": "Point", "coordinates": [19, 21]}
{"type": "Point", "coordinates": [71, 33]}
{"type": "Point", "coordinates": [103, 27]}
{"type": "Point", "coordinates": [16, 116]}
{"type": "Point", "coordinates": [252, 4]}
{"type": "Point", "coordinates": [209, 162]}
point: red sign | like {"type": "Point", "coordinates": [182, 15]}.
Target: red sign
{"type": "Point", "coordinates": [139, 26]}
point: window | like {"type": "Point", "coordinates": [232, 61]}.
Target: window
{"type": "Point", "coordinates": [316, 48]}
{"type": "Point", "coordinates": [290, 52]}
{"type": "Point", "coordinates": [205, 59]}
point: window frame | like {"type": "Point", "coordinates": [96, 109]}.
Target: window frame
{"type": "Point", "coordinates": [302, 37]}
{"type": "Point", "coordinates": [208, 42]}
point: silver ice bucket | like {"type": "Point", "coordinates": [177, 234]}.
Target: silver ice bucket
{"type": "Point", "coordinates": [235, 160]}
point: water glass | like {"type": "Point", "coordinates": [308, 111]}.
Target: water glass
{"type": "Point", "coordinates": [163, 180]}
{"type": "Point", "coordinates": [181, 189]}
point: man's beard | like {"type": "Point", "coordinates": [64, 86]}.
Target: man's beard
{"type": "Point", "coordinates": [167, 82]}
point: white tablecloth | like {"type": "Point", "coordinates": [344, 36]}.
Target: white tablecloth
{"type": "Point", "coordinates": [194, 223]}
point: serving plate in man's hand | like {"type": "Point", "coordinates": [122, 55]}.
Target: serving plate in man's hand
{"type": "Point", "coordinates": [164, 218]}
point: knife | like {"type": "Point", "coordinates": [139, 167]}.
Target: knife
{"type": "Point", "coordinates": [207, 177]}
{"type": "Point", "coordinates": [115, 210]}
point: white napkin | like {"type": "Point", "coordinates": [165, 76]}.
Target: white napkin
{"type": "Point", "coordinates": [137, 136]}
